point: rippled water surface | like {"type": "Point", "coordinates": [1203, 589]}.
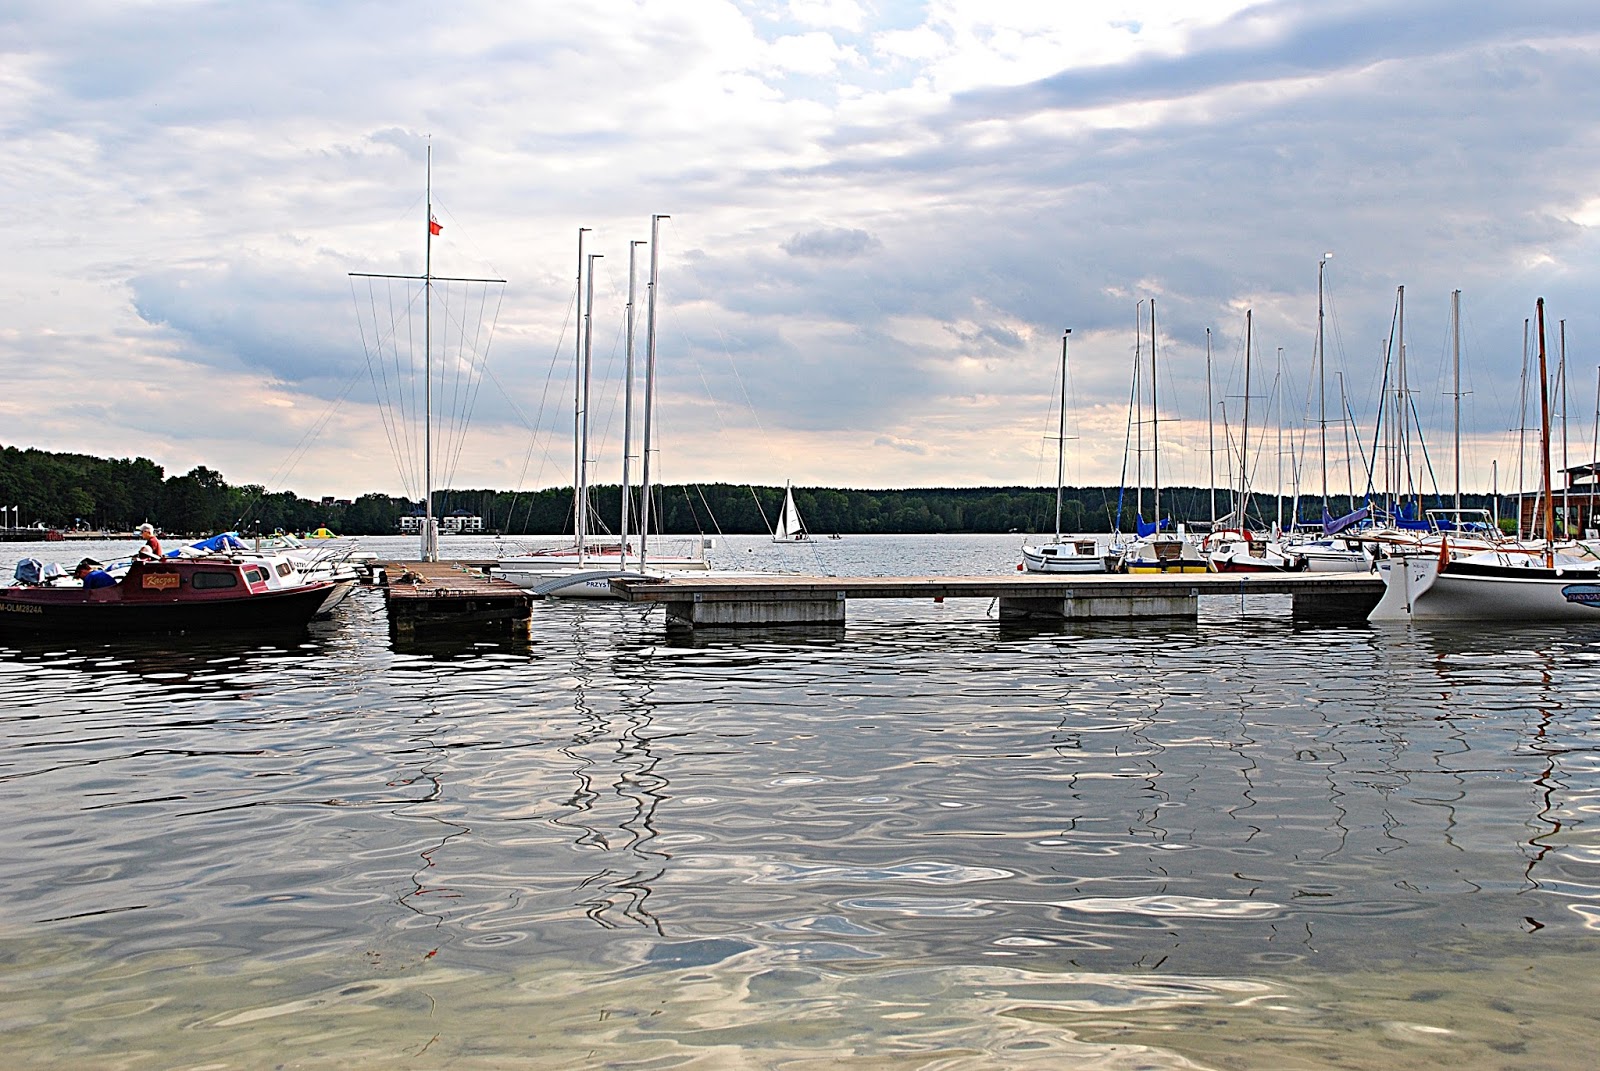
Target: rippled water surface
{"type": "Point", "coordinates": [923, 841]}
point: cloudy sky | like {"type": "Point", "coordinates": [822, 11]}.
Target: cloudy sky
{"type": "Point", "coordinates": [883, 215]}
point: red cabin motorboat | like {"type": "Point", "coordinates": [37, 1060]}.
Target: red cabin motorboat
{"type": "Point", "coordinates": [164, 595]}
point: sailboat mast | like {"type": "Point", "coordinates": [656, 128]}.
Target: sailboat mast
{"type": "Point", "coordinates": [1061, 434]}
{"type": "Point", "coordinates": [1211, 433]}
{"type": "Point", "coordinates": [1138, 410]}
{"type": "Point", "coordinates": [1522, 433]}
{"type": "Point", "coordinates": [649, 382]}
{"type": "Point", "coordinates": [1455, 366]}
{"type": "Point", "coordinates": [580, 514]}
{"type": "Point", "coordinates": [1155, 421]}
{"type": "Point", "coordinates": [1322, 379]}
{"type": "Point", "coordinates": [627, 406]}
{"type": "Point", "coordinates": [583, 437]}
{"type": "Point", "coordinates": [1544, 444]}
{"type": "Point", "coordinates": [1244, 433]}
{"type": "Point", "coordinates": [1277, 405]}
{"type": "Point", "coordinates": [1403, 401]}
{"type": "Point", "coordinates": [430, 534]}
{"type": "Point", "coordinates": [1566, 480]}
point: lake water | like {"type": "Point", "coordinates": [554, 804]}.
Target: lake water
{"type": "Point", "coordinates": [926, 840]}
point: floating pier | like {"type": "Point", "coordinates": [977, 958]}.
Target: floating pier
{"type": "Point", "coordinates": [754, 601]}
{"type": "Point", "coordinates": [433, 597]}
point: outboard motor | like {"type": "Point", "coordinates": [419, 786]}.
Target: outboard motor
{"type": "Point", "coordinates": [30, 571]}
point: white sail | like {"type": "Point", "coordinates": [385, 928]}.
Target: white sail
{"type": "Point", "coordinates": [790, 528]}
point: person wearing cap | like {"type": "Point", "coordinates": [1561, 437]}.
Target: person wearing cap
{"type": "Point", "coordinates": [152, 545]}
{"type": "Point", "coordinates": [92, 575]}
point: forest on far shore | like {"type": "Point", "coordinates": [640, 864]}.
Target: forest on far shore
{"type": "Point", "coordinates": [60, 490]}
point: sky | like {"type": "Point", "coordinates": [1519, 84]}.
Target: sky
{"type": "Point", "coordinates": [884, 215]}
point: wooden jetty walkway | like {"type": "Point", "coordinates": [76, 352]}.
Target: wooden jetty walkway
{"type": "Point", "coordinates": [699, 602]}
{"type": "Point", "coordinates": [433, 597]}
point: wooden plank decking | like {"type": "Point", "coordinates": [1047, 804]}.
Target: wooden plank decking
{"type": "Point", "coordinates": [435, 596]}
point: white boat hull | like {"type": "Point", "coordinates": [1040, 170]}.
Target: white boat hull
{"type": "Point", "coordinates": [1416, 588]}
{"type": "Point", "coordinates": [1061, 558]}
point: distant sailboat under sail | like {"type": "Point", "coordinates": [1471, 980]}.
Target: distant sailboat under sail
{"type": "Point", "coordinates": [790, 528]}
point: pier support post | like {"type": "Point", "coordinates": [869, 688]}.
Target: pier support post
{"type": "Point", "coordinates": [1074, 606]}
{"type": "Point", "coordinates": [776, 608]}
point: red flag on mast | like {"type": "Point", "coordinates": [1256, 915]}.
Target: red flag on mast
{"type": "Point", "coordinates": [434, 226]}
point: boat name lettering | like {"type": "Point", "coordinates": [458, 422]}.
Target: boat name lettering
{"type": "Point", "coordinates": [1582, 594]}
{"type": "Point", "coordinates": [159, 581]}
{"type": "Point", "coordinates": [21, 608]}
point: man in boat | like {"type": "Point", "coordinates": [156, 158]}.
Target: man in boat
{"type": "Point", "coordinates": [152, 545]}
{"type": "Point", "coordinates": [92, 575]}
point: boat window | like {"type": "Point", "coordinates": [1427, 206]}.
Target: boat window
{"type": "Point", "coordinates": [284, 568]}
{"type": "Point", "coordinates": [214, 578]}
{"type": "Point", "coordinates": [255, 574]}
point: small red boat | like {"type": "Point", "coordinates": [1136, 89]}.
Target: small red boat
{"type": "Point", "coordinates": [163, 595]}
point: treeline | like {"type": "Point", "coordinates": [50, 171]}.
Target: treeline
{"type": "Point", "coordinates": [78, 491]}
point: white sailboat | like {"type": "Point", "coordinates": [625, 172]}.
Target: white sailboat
{"type": "Point", "coordinates": [1517, 582]}
{"type": "Point", "coordinates": [1063, 555]}
{"type": "Point", "coordinates": [790, 528]}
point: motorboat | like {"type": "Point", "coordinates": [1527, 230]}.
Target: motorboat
{"type": "Point", "coordinates": [1235, 551]}
{"type": "Point", "coordinates": [160, 595]}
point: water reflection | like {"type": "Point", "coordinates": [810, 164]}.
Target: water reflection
{"type": "Point", "coordinates": [919, 842]}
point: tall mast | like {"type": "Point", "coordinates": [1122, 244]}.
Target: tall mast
{"type": "Point", "coordinates": [1544, 444]}
{"type": "Point", "coordinates": [430, 533]}
{"type": "Point", "coordinates": [1322, 380]}
{"type": "Point", "coordinates": [627, 407]}
{"type": "Point", "coordinates": [1455, 366]}
{"type": "Point", "coordinates": [1566, 480]}
{"type": "Point", "coordinates": [1277, 404]}
{"type": "Point", "coordinates": [1138, 411]}
{"type": "Point", "coordinates": [1155, 420]}
{"type": "Point", "coordinates": [1522, 434]}
{"type": "Point", "coordinates": [1244, 433]}
{"type": "Point", "coordinates": [649, 381]}
{"type": "Point", "coordinates": [430, 528]}
{"type": "Point", "coordinates": [1403, 399]}
{"type": "Point", "coordinates": [583, 437]}
{"type": "Point", "coordinates": [1061, 434]}
{"type": "Point", "coordinates": [580, 513]}
{"type": "Point", "coordinates": [1211, 432]}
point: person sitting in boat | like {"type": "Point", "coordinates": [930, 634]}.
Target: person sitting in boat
{"type": "Point", "coordinates": [92, 575]}
{"type": "Point", "coordinates": [152, 545]}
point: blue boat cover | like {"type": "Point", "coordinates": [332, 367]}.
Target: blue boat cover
{"type": "Point", "coordinates": [1333, 526]}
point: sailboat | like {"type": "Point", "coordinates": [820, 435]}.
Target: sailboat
{"type": "Point", "coordinates": [1517, 582]}
{"type": "Point", "coordinates": [585, 569]}
{"type": "Point", "coordinates": [1062, 555]}
{"type": "Point", "coordinates": [1237, 549]}
{"type": "Point", "coordinates": [790, 528]}
{"type": "Point", "coordinates": [1158, 551]}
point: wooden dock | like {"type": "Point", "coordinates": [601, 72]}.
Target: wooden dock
{"type": "Point", "coordinates": [435, 597]}
{"type": "Point", "coordinates": [722, 602]}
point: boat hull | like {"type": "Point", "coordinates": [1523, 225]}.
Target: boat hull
{"type": "Point", "coordinates": [1417, 589]}
{"type": "Point", "coordinates": [69, 610]}
{"type": "Point", "coordinates": [1061, 558]}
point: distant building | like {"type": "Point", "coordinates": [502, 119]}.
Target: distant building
{"type": "Point", "coordinates": [461, 522]}
{"type": "Point", "coordinates": [457, 522]}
